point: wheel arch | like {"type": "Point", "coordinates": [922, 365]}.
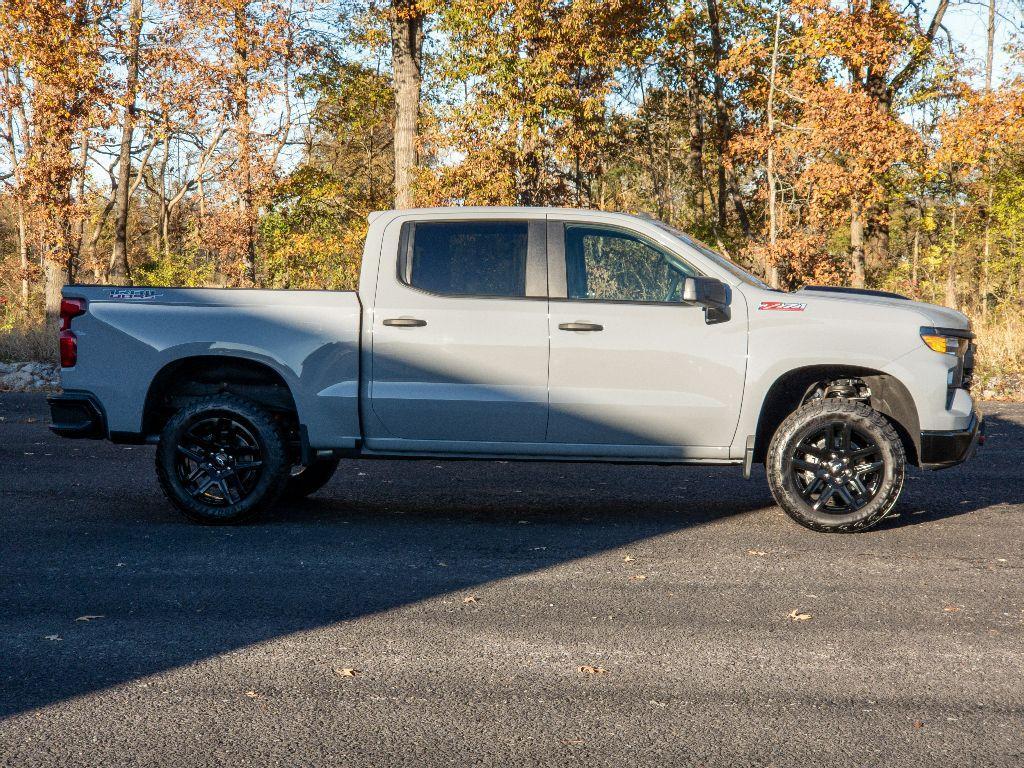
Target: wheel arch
{"type": "Point", "coordinates": [889, 396]}
{"type": "Point", "coordinates": [202, 375]}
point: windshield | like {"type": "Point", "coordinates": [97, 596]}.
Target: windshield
{"type": "Point", "coordinates": [724, 263]}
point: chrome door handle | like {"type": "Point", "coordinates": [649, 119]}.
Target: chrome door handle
{"type": "Point", "coordinates": [405, 322]}
{"type": "Point", "coordinates": [580, 327]}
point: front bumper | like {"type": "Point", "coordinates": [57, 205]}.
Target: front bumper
{"type": "Point", "coordinates": [940, 450]}
{"type": "Point", "coordinates": [77, 414]}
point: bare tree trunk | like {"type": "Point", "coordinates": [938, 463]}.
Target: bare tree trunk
{"type": "Point", "coordinates": [721, 116]}
{"type": "Point", "coordinates": [915, 259]}
{"type": "Point", "coordinates": [23, 252]}
{"type": "Point", "coordinates": [243, 125]}
{"type": "Point", "coordinates": [407, 60]}
{"type": "Point", "coordinates": [951, 264]}
{"type": "Point", "coordinates": [695, 155]}
{"type": "Point", "coordinates": [857, 243]}
{"type": "Point", "coordinates": [987, 250]}
{"type": "Point", "coordinates": [773, 221]}
{"type": "Point", "coordinates": [120, 272]}
{"type": "Point", "coordinates": [53, 281]}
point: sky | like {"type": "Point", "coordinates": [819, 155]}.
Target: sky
{"type": "Point", "coordinates": [966, 22]}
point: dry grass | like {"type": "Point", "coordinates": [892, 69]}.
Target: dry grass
{"type": "Point", "coordinates": [26, 343]}
{"type": "Point", "coordinates": [1000, 343]}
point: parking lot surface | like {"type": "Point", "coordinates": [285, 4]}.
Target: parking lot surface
{"type": "Point", "coordinates": [419, 613]}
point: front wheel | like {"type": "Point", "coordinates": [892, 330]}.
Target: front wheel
{"type": "Point", "coordinates": [836, 466]}
{"type": "Point", "coordinates": [222, 460]}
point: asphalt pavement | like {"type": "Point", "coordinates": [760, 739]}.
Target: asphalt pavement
{"type": "Point", "coordinates": [421, 613]}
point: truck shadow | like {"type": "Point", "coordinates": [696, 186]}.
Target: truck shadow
{"type": "Point", "coordinates": [384, 534]}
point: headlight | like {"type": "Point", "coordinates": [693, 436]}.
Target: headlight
{"type": "Point", "coordinates": [944, 343]}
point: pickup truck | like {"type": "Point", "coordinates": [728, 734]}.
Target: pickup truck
{"type": "Point", "coordinates": [523, 333]}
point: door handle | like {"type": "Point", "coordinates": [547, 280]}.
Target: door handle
{"type": "Point", "coordinates": [580, 327]}
{"type": "Point", "coordinates": [405, 322]}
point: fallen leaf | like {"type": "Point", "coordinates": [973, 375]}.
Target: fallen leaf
{"type": "Point", "coordinates": [573, 741]}
{"type": "Point", "coordinates": [254, 695]}
{"type": "Point", "coordinates": [918, 724]}
{"type": "Point", "coordinates": [627, 559]}
{"type": "Point", "coordinates": [952, 609]}
{"type": "Point", "coordinates": [637, 577]}
{"type": "Point", "coordinates": [796, 615]}
{"type": "Point", "coordinates": [90, 617]}
{"type": "Point", "coordinates": [757, 552]}
{"type": "Point", "coordinates": [587, 669]}
{"type": "Point", "coordinates": [346, 672]}
{"type": "Point", "coordinates": [470, 599]}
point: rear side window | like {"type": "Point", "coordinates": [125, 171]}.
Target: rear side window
{"type": "Point", "coordinates": [462, 258]}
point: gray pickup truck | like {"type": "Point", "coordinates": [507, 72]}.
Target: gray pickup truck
{"type": "Point", "coordinates": [523, 333]}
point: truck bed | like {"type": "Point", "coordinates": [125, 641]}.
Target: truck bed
{"type": "Point", "coordinates": [129, 335]}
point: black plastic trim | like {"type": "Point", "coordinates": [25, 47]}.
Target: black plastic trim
{"type": "Point", "coordinates": [960, 333]}
{"type": "Point", "coordinates": [940, 450]}
{"type": "Point", "coordinates": [77, 415]}
{"type": "Point", "coordinates": [854, 291]}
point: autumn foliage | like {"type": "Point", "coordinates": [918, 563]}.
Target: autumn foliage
{"type": "Point", "coordinates": [244, 142]}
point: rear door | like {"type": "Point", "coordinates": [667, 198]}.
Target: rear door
{"type": "Point", "coordinates": [634, 370]}
{"type": "Point", "coordinates": [460, 335]}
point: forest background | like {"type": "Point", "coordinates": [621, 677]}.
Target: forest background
{"type": "Point", "coordinates": [243, 143]}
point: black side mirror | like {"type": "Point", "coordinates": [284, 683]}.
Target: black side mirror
{"type": "Point", "coordinates": [711, 294]}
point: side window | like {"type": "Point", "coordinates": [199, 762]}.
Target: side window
{"type": "Point", "coordinates": [611, 265]}
{"type": "Point", "coordinates": [463, 258]}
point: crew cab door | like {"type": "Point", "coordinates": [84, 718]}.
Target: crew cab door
{"type": "Point", "coordinates": [459, 335]}
{"type": "Point", "coordinates": [634, 370]}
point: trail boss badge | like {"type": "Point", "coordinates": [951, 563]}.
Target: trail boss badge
{"type": "Point", "coordinates": [781, 306]}
{"type": "Point", "coordinates": [134, 293]}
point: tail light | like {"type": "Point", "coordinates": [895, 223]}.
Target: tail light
{"type": "Point", "coordinates": [69, 309]}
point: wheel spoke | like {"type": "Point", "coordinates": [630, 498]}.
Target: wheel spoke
{"type": "Point", "coordinates": [805, 466]}
{"type": "Point", "coordinates": [823, 499]}
{"type": "Point", "coordinates": [190, 453]}
{"type": "Point", "coordinates": [812, 487]}
{"type": "Point", "coordinates": [248, 464]}
{"type": "Point", "coordinates": [864, 469]}
{"type": "Point", "coordinates": [201, 488]}
{"type": "Point", "coordinates": [845, 495]}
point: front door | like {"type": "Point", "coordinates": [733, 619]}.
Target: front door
{"type": "Point", "coordinates": [634, 370]}
{"type": "Point", "coordinates": [460, 337]}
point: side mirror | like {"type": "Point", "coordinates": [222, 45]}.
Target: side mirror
{"type": "Point", "coordinates": [706, 291]}
{"type": "Point", "coordinates": [711, 294]}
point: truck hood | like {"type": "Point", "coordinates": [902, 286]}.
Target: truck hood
{"type": "Point", "coordinates": [934, 315]}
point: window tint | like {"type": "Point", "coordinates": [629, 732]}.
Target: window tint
{"type": "Point", "coordinates": [469, 258]}
{"type": "Point", "coordinates": [611, 265]}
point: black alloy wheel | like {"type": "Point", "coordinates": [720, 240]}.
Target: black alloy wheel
{"type": "Point", "coordinates": [836, 465]}
{"type": "Point", "coordinates": [222, 459]}
{"type": "Point", "coordinates": [837, 469]}
{"type": "Point", "coordinates": [219, 460]}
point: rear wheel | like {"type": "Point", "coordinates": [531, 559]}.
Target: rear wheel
{"type": "Point", "coordinates": [836, 466]}
{"type": "Point", "coordinates": [305, 480]}
{"type": "Point", "coordinates": [222, 460]}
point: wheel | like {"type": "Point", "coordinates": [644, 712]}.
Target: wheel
{"type": "Point", "coordinates": [836, 466]}
{"type": "Point", "coordinates": [309, 479]}
{"type": "Point", "coordinates": [222, 460]}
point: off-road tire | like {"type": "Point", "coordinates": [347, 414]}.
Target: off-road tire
{"type": "Point", "coordinates": [309, 479]}
{"type": "Point", "coordinates": [251, 420]}
{"type": "Point", "coordinates": [818, 415]}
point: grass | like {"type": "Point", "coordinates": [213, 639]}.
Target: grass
{"type": "Point", "coordinates": [36, 342]}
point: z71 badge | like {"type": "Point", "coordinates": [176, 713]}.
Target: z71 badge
{"type": "Point", "coordinates": [782, 306]}
{"type": "Point", "coordinates": [134, 293]}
